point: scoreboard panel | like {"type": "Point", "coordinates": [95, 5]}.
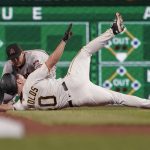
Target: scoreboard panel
{"type": "Point", "coordinates": [124, 62]}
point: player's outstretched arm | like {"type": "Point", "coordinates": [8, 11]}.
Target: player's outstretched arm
{"type": "Point", "coordinates": [56, 55]}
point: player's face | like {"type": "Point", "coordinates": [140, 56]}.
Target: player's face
{"type": "Point", "coordinates": [17, 62]}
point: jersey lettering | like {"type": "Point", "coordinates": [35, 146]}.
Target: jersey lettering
{"type": "Point", "coordinates": [47, 101]}
{"type": "Point", "coordinates": [31, 97]}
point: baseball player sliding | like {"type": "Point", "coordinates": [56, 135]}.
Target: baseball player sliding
{"type": "Point", "coordinates": [75, 89]}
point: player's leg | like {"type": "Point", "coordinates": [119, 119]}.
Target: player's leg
{"type": "Point", "coordinates": [130, 100]}
{"type": "Point", "coordinates": [99, 42]}
{"type": "Point", "coordinates": [103, 39]}
{"type": "Point", "coordinates": [81, 63]}
{"type": "Point", "coordinates": [78, 73]}
{"type": "Point", "coordinates": [104, 96]}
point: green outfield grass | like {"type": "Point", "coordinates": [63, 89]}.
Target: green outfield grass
{"type": "Point", "coordinates": [74, 142]}
{"type": "Point", "coordinates": [90, 116]}
{"type": "Point", "coordinates": [84, 116]}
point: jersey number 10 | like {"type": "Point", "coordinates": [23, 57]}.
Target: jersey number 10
{"type": "Point", "coordinates": [47, 101]}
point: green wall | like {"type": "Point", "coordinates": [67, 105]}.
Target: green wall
{"type": "Point", "coordinates": [43, 28]}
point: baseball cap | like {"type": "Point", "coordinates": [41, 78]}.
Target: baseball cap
{"type": "Point", "coordinates": [13, 51]}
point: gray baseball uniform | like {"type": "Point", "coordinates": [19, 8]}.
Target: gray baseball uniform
{"type": "Point", "coordinates": [75, 89]}
{"type": "Point", "coordinates": [34, 59]}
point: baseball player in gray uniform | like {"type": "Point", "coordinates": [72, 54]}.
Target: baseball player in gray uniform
{"type": "Point", "coordinates": [75, 89]}
{"type": "Point", "coordinates": [25, 62]}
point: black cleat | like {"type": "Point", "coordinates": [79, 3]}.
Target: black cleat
{"type": "Point", "coordinates": [117, 26]}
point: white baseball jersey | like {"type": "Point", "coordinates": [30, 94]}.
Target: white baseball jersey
{"type": "Point", "coordinates": [34, 59]}
{"type": "Point", "coordinates": [40, 92]}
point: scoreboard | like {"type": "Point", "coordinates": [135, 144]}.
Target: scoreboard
{"type": "Point", "coordinates": [122, 65]}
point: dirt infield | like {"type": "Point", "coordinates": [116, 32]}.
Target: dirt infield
{"type": "Point", "coordinates": [36, 128]}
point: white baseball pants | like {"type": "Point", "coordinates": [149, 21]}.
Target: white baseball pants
{"type": "Point", "coordinates": [83, 92]}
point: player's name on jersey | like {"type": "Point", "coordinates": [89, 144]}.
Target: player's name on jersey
{"type": "Point", "coordinates": [42, 13]}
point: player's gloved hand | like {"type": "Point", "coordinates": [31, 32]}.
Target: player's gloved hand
{"type": "Point", "coordinates": [68, 33]}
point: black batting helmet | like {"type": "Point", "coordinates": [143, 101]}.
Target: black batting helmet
{"type": "Point", "coordinates": [8, 84]}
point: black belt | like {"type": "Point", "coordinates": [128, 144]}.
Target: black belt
{"type": "Point", "coordinates": [66, 89]}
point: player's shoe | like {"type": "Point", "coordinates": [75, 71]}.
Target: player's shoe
{"type": "Point", "coordinates": [117, 26]}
